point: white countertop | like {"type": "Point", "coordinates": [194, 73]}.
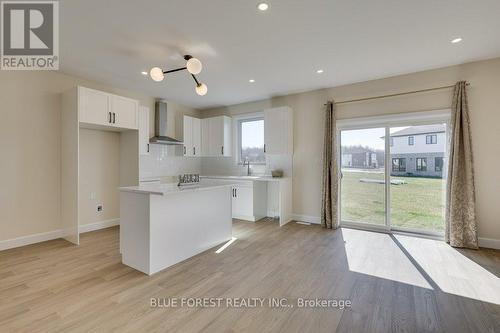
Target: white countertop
{"type": "Point", "coordinates": [248, 178]}
{"type": "Point", "coordinates": [171, 188]}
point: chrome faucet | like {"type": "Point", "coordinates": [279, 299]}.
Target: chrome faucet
{"type": "Point", "coordinates": [247, 162]}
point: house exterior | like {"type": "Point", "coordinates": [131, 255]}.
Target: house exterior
{"type": "Point", "coordinates": [359, 157]}
{"type": "Point", "coordinates": [418, 151]}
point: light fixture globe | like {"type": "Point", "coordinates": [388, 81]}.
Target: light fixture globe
{"type": "Point", "coordinates": [201, 89]}
{"type": "Point", "coordinates": [156, 74]}
{"type": "Point", "coordinates": [194, 66]}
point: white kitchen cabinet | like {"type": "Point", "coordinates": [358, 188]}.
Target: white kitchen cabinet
{"type": "Point", "coordinates": [196, 137]}
{"type": "Point", "coordinates": [242, 202]}
{"type": "Point", "coordinates": [98, 108]}
{"type": "Point", "coordinates": [143, 130]}
{"type": "Point", "coordinates": [188, 135]}
{"type": "Point", "coordinates": [278, 131]}
{"type": "Point", "coordinates": [219, 136]}
{"type": "Point", "coordinates": [94, 107]}
{"type": "Point", "coordinates": [249, 200]}
{"type": "Point", "coordinates": [205, 137]}
{"type": "Point", "coordinates": [125, 112]}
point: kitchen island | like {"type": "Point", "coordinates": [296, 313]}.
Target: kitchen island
{"type": "Point", "coordinates": [163, 224]}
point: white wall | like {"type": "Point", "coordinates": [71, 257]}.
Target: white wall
{"type": "Point", "coordinates": [30, 146]}
{"type": "Point", "coordinates": [308, 110]}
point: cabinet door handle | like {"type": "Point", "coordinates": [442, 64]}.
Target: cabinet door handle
{"type": "Point", "coordinates": [184, 150]}
{"type": "Point", "coordinates": [148, 148]}
{"type": "Point", "coordinates": [109, 120]}
{"type": "Point", "coordinates": [235, 193]}
{"type": "Point", "coordinates": [264, 147]}
{"type": "Point", "coordinates": [194, 150]}
{"type": "Point", "coordinates": [222, 150]}
{"type": "Point", "coordinates": [114, 118]}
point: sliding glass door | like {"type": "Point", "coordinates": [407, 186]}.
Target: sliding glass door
{"type": "Point", "coordinates": [393, 177]}
{"type": "Point", "coordinates": [418, 159]}
{"type": "Point", "coordinates": [363, 194]}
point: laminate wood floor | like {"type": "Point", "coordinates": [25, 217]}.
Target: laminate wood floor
{"type": "Point", "coordinates": [395, 283]}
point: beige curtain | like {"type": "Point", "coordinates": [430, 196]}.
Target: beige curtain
{"type": "Point", "coordinates": [461, 226]}
{"type": "Point", "coordinates": [329, 202]}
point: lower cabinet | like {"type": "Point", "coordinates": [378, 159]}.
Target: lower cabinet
{"type": "Point", "coordinates": [249, 200]}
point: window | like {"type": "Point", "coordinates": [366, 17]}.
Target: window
{"type": "Point", "coordinates": [438, 164]}
{"type": "Point", "coordinates": [251, 141]}
{"type": "Point", "coordinates": [392, 142]}
{"type": "Point", "coordinates": [431, 139]}
{"type": "Point", "coordinates": [421, 164]}
{"type": "Point", "coordinates": [399, 164]}
{"type": "Point", "coordinates": [411, 141]}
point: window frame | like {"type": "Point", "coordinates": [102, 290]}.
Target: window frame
{"type": "Point", "coordinates": [431, 141]}
{"type": "Point", "coordinates": [239, 122]}
{"type": "Point", "coordinates": [435, 164]}
{"type": "Point", "coordinates": [421, 159]}
{"type": "Point", "coordinates": [401, 167]}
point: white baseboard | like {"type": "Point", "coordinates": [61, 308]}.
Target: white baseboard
{"type": "Point", "coordinates": [98, 225]}
{"type": "Point", "coordinates": [30, 239]}
{"type": "Point", "coordinates": [489, 243]}
{"type": "Point", "coordinates": [51, 235]}
{"type": "Point", "coordinates": [483, 242]}
{"type": "Point", "coordinates": [306, 218]}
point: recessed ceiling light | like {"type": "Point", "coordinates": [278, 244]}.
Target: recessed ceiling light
{"type": "Point", "coordinates": [456, 40]}
{"type": "Point", "coordinates": [251, 80]}
{"type": "Point", "coordinates": [263, 6]}
{"type": "Point", "coordinates": [144, 73]}
{"type": "Point", "coordinates": [319, 71]}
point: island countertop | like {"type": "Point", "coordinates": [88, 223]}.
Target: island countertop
{"type": "Point", "coordinates": [171, 188]}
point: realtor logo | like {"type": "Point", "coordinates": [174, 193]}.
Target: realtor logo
{"type": "Point", "coordinates": [30, 35]}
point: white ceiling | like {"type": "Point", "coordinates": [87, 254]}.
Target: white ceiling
{"type": "Point", "coordinates": [112, 41]}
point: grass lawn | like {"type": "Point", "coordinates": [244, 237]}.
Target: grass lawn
{"type": "Point", "coordinates": [418, 204]}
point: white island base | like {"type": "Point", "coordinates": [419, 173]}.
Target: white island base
{"type": "Point", "coordinates": [161, 225]}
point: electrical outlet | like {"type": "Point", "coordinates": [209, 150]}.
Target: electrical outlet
{"type": "Point", "coordinates": [99, 208]}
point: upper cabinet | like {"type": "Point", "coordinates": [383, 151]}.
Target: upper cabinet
{"type": "Point", "coordinates": [125, 112]}
{"type": "Point", "coordinates": [102, 109]}
{"type": "Point", "coordinates": [207, 137]}
{"type": "Point", "coordinates": [278, 131]}
{"type": "Point", "coordinates": [94, 106]}
{"type": "Point", "coordinates": [219, 136]}
{"type": "Point", "coordinates": [192, 136]}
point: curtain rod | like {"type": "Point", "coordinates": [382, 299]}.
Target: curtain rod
{"type": "Point", "coordinates": [395, 95]}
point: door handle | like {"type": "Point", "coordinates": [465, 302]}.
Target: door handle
{"type": "Point", "coordinates": [222, 150]}
{"type": "Point", "coordinates": [114, 118]}
{"type": "Point", "coordinates": [148, 148]}
{"type": "Point", "coordinates": [194, 150]}
{"type": "Point", "coordinates": [184, 150]}
{"type": "Point", "coordinates": [264, 147]}
{"type": "Point", "coordinates": [235, 193]}
{"type": "Point", "coordinates": [110, 118]}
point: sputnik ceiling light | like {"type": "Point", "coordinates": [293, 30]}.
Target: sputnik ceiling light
{"type": "Point", "coordinates": [193, 66]}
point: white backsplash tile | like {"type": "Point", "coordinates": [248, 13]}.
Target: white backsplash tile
{"type": "Point", "coordinates": [167, 161]}
{"type": "Point", "coordinates": [164, 161]}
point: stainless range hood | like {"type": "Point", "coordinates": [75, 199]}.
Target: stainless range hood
{"type": "Point", "coordinates": [161, 126]}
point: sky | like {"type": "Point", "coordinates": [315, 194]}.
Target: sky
{"type": "Point", "coordinates": [252, 134]}
{"type": "Point", "coordinates": [366, 137]}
